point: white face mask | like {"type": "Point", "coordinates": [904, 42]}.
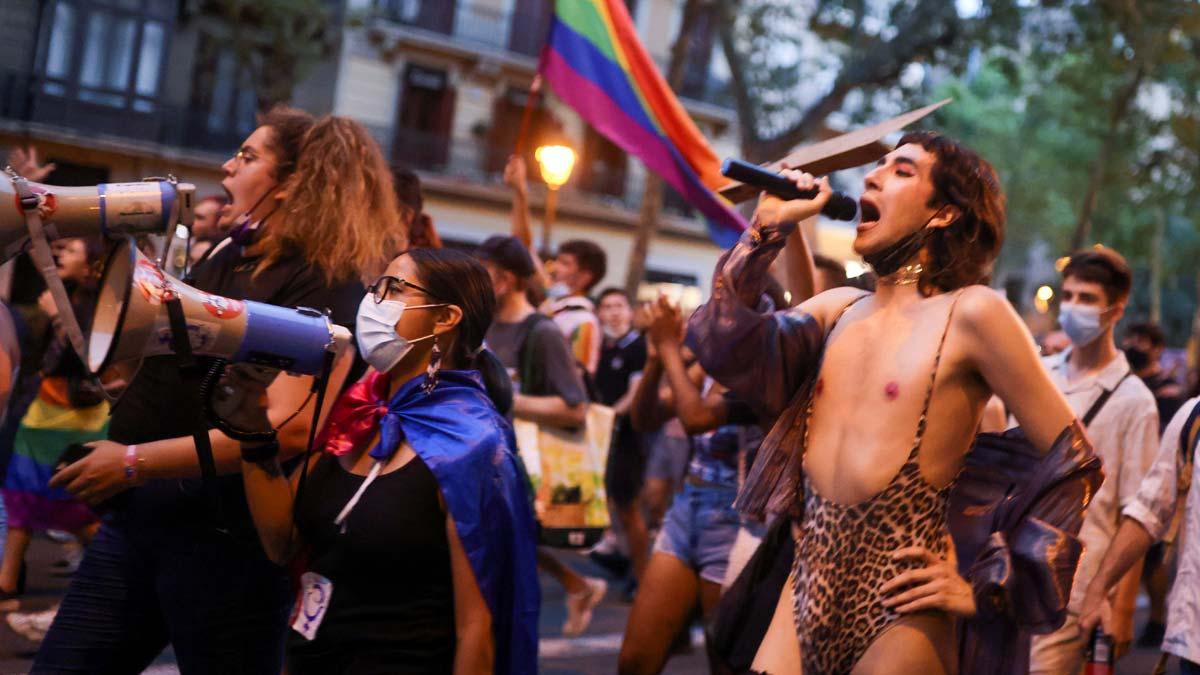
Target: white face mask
{"type": "Point", "coordinates": [558, 290]}
{"type": "Point", "coordinates": [1081, 323]}
{"type": "Point", "coordinates": [375, 332]}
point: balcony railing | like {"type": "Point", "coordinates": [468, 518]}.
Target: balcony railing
{"type": "Point", "coordinates": [471, 159]}
{"type": "Point", "coordinates": [473, 23]}
{"type": "Point", "coordinates": [26, 98]}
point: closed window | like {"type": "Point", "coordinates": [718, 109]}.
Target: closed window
{"type": "Point", "coordinates": [107, 52]}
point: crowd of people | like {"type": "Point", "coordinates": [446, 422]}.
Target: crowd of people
{"type": "Point", "coordinates": [879, 474]}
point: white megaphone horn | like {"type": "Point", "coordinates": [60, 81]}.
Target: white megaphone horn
{"type": "Point", "coordinates": [110, 209]}
{"type": "Point", "coordinates": [32, 213]}
{"type": "Point", "coordinates": [131, 322]}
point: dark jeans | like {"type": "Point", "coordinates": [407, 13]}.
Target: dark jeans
{"type": "Point", "coordinates": [215, 598]}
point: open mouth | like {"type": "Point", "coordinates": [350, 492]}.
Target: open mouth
{"type": "Point", "coordinates": [228, 198]}
{"type": "Point", "coordinates": [868, 212]}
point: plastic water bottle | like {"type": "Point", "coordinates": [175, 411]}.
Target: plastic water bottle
{"type": "Point", "coordinates": [1100, 659]}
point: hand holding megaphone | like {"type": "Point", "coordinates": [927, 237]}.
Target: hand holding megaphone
{"type": "Point", "coordinates": [240, 399]}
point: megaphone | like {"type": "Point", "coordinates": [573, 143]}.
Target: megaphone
{"type": "Point", "coordinates": [131, 322]}
{"type": "Point", "coordinates": [110, 209]}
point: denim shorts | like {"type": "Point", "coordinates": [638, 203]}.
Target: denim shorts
{"type": "Point", "coordinates": [700, 529]}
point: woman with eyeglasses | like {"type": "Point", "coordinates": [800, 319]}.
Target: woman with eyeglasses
{"type": "Point", "coordinates": [316, 213]}
{"type": "Point", "coordinates": [414, 520]}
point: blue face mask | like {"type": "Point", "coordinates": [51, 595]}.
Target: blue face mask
{"type": "Point", "coordinates": [1081, 323]}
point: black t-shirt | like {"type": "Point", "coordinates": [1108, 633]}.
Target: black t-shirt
{"type": "Point", "coordinates": [620, 359]}
{"type": "Point", "coordinates": [157, 405]}
{"type": "Point", "coordinates": [1160, 384]}
{"type": "Point", "coordinates": [392, 606]}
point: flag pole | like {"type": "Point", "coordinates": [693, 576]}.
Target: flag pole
{"type": "Point", "coordinates": [535, 89]}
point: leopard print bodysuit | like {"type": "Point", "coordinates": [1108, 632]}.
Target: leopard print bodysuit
{"type": "Point", "coordinates": [843, 556]}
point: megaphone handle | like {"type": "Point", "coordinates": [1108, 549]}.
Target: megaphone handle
{"type": "Point", "coordinates": [181, 344]}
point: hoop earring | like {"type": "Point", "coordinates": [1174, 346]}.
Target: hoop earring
{"type": "Point", "coordinates": [431, 372]}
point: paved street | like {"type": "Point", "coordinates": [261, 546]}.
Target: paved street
{"type": "Point", "coordinates": [592, 654]}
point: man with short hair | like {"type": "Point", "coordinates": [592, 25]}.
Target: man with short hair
{"type": "Point", "coordinates": [622, 357]}
{"type": "Point", "coordinates": [1143, 346]}
{"type": "Point", "coordinates": [1095, 376]}
{"type": "Point", "coordinates": [579, 266]}
{"type": "Point", "coordinates": [548, 388]}
{"type": "Point", "coordinates": [208, 228]}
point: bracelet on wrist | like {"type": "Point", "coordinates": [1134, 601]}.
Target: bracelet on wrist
{"type": "Point", "coordinates": [260, 452]}
{"type": "Point", "coordinates": [134, 465]}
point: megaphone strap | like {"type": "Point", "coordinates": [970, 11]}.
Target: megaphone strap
{"type": "Point", "coordinates": [43, 257]}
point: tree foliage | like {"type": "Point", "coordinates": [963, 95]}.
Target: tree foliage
{"type": "Point", "coordinates": [794, 65]}
{"type": "Point", "coordinates": [276, 41]}
{"type": "Point", "coordinates": [1093, 120]}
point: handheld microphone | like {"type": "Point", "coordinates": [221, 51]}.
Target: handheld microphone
{"type": "Point", "coordinates": [839, 207]}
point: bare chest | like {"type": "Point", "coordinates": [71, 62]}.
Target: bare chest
{"type": "Point", "coordinates": [872, 400]}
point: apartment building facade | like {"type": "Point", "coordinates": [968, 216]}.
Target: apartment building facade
{"type": "Point", "coordinates": [114, 90]}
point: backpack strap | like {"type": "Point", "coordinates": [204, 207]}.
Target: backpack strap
{"type": "Point", "coordinates": [1099, 404]}
{"type": "Point", "coordinates": [1189, 437]}
{"type": "Point", "coordinates": [525, 347]}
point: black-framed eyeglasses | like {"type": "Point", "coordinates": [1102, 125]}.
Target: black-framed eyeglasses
{"type": "Point", "coordinates": [388, 284]}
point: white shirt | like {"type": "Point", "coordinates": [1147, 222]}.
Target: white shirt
{"type": "Point", "coordinates": [1156, 507]}
{"type": "Point", "coordinates": [1125, 435]}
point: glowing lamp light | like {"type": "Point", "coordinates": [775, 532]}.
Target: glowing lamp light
{"type": "Point", "coordinates": [556, 162]}
{"type": "Point", "coordinates": [1061, 263]}
{"type": "Point", "coordinates": [1042, 298]}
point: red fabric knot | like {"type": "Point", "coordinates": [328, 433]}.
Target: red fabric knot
{"type": "Point", "coordinates": [355, 416]}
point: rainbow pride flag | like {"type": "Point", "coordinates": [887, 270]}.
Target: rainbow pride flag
{"type": "Point", "coordinates": [597, 65]}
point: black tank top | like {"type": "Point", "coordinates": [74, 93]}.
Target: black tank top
{"type": "Point", "coordinates": [392, 607]}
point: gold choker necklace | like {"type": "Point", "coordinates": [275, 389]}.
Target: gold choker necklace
{"type": "Point", "coordinates": [905, 276]}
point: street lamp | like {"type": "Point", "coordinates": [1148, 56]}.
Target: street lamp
{"type": "Point", "coordinates": [555, 162]}
{"type": "Point", "coordinates": [1041, 299]}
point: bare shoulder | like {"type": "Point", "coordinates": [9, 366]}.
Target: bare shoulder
{"type": "Point", "coordinates": [826, 307]}
{"type": "Point", "coordinates": [986, 311]}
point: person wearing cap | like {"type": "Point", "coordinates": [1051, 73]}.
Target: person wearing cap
{"type": "Point", "coordinates": [548, 388]}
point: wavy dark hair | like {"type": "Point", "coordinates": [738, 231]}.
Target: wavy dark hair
{"type": "Point", "coordinates": [962, 253]}
{"type": "Point", "coordinates": [459, 279]}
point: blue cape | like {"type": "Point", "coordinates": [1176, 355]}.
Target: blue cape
{"type": "Point", "coordinates": [471, 450]}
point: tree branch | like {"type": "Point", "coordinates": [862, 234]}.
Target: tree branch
{"type": "Point", "coordinates": [930, 25]}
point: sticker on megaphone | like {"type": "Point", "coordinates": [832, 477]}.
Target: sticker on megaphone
{"type": "Point", "coordinates": [131, 322]}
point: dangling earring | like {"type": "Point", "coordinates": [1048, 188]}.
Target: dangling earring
{"type": "Point", "coordinates": [431, 373]}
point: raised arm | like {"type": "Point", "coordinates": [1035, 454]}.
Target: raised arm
{"type": "Point", "coordinates": [522, 227]}
{"type": "Point", "coordinates": [1003, 352]}
{"type": "Point", "coordinates": [762, 358]}
{"type": "Point", "coordinates": [698, 413]}
{"type": "Point", "coordinates": [799, 268]}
